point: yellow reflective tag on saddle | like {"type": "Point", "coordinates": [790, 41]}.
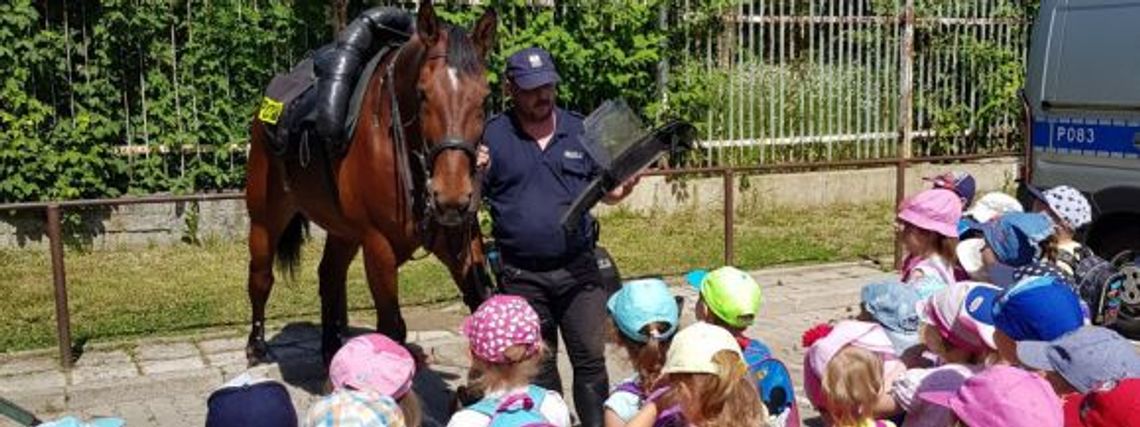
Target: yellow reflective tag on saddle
{"type": "Point", "coordinates": [270, 111]}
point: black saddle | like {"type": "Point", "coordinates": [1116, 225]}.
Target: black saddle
{"type": "Point", "coordinates": [318, 101]}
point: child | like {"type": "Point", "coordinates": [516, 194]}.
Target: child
{"type": "Point", "coordinates": [1001, 396]}
{"type": "Point", "coordinates": [506, 350]}
{"type": "Point", "coordinates": [249, 401]}
{"type": "Point", "coordinates": [704, 383]}
{"type": "Point", "coordinates": [928, 227]}
{"type": "Point", "coordinates": [1069, 210]}
{"type": "Point", "coordinates": [349, 407]}
{"type": "Point", "coordinates": [731, 298]}
{"type": "Point", "coordinates": [1034, 309]}
{"type": "Point", "coordinates": [823, 344]}
{"type": "Point", "coordinates": [1081, 361]}
{"type": "Point", "coordinates": [891, 304]}
{"type": "Point", "coordinates": [1113, 405]}
{"type": "Point", "coordinates": [373, 362]}
{"type": "Point", "coordinates": [960, 182]}
{"type": "Point", "coordinates": [645, 316]}
{"type": "Point", "coordinates": [990, 206]}
{"type": "Point", "coordinates": [962, 345]}
{"type": "Point", "coordinates": [851, 387]}
{"type": "Point", "coordinates": [1006, 248]}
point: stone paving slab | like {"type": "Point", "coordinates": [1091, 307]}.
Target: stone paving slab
{"type": "Point", "coordinates": [166, 382]}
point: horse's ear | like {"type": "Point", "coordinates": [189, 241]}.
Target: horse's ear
{"type": "Point", "coordinates": [427, 26]}
{"type": "Point", "coordinates": [483, 35]}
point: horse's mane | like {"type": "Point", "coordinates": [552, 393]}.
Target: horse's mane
{"type": "Point", "coordinates": [461, 53]}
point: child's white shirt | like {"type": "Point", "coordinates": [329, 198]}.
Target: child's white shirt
{"type": "Point", "coordinates": [553, 408]}
{"type": "Point", "coordinates": [623, 403]}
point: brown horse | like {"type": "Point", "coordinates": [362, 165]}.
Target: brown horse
{"type": "Point", "coordinates": [407, 180]}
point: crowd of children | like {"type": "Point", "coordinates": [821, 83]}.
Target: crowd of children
{"type": "Point", "coordinates": [990, 324]}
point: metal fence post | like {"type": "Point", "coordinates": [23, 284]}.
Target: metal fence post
{"type": "Point", "coordinates": [906, 112]}
{"type": "Point", "coordinates": [663, 63]}
{"type": "Point", "coordinates": [729, 216]}
{"type": "Point", "coordinates": [62, 314]}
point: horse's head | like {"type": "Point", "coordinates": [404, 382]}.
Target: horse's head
{"type": "Point", "coordinates": [452, 86]}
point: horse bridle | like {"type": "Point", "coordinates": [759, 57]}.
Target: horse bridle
{"type": "Point", "coordinates": [426, 160]}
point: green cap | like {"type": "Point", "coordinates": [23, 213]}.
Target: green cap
{"type": "Point", "coordinates": [732, 295]}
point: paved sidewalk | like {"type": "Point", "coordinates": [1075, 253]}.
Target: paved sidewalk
{"type": "Point", "coordinates": [165, 382]}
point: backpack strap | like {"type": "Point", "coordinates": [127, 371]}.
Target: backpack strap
{"type": "Point", "coordinates": [666, 417]}
{"type": "Point", "coordinates": [631, 387]}
{"type": "Point", "coordinates": [487, 406]}
{"type": "Point", "coordinates": [530, 400]}
{"type": "Point", "coordinates": [1071, 260]}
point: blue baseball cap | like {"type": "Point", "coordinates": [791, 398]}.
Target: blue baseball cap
{"type": "Point", "coordinates": [532, 67]}
{"type": "Point", "coordinates": [1087, 358]}
{"type": "Point", "coordinates": [640, 303]}
{"type": "Point", "coordinates": [1037, 309]}
{"type": "Point", "coordinates": [1014, 236]}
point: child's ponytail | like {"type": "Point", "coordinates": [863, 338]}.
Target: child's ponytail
{"type": "Point", "coordinates": [650, 358]}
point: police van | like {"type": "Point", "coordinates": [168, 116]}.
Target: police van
{"type": "Point", "coordinates": [1082, 99]}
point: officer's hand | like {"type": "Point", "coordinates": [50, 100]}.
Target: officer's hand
{"type": "Point", "coordinates": [483, 158]}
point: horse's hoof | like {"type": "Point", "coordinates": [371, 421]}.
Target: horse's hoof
{"type": "Point", "coordinates": [257, 353]}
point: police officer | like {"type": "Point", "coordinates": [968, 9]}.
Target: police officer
{"type": "Point", "coordinates": [535, 165]}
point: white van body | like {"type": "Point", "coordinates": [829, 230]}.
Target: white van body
{"type": "Point", "coordinates": [1083, 94]}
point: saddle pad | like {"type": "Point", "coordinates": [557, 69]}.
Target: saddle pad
{"type": "Point", "coordinates": [359, 88]}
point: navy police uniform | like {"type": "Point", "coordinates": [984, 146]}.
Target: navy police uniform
{"type": "Point", "coordinates": [528, 189]}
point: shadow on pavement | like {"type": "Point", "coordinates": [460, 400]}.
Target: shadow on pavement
{"type": "Point", "coordinates": [297, 351]}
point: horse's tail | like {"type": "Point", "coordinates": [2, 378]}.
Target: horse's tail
{"type": "Point", "coordinates": [289, 244]}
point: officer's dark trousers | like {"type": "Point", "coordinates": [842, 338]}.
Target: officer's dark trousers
{"type": "Point", "coordinates": [569, 298]}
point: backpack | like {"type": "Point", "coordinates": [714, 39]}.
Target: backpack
{"type": "Point", "coordinates": [774, 382]}
{"type": "Point", "coordinates": [1099, 283]}
{"type": "Point", "coordinates": [515, 410]}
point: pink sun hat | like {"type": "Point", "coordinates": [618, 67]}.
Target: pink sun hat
{"type": "Point", "coordinates": [936, 210]}
{"type": "Point", "coordinates": [502, 322]}
{"type": "Point", "coordinates": [373, 362]}
{"type": "Point", "coordinates": [1002, 396]}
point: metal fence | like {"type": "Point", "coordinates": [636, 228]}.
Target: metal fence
{"type": "Point", "coordinates": [822, 80]}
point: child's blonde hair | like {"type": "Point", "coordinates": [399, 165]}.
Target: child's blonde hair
{"type": "Point", "coordinates": [728, 398]}
{"type": "Point", "coordinates": [851, 385]}
{"type": "Point", "coordinates": [647, 358]}
{"type": "Point", "coordinates": [518, 371]}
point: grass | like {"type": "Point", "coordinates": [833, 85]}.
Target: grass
{"type": "Point", "coordinates": [176, 289]}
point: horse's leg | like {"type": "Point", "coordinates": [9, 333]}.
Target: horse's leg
{"type": "Point", "coordinates": [470, 274]}
{"type": "Point", "coordinates": [333, 271]}
{"type": "Point", "coordinates": [269, 214]}
{"type": "Point", "coordinates": [380, 266]}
